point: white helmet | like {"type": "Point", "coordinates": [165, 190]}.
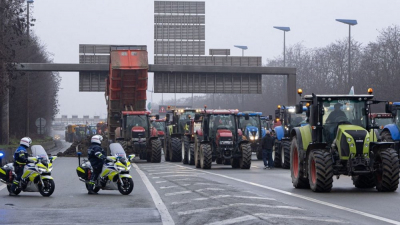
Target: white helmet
{"type": "Point", "coordinates": [96, 139]}
{"type": "Point", "coordinates": [26, 141]}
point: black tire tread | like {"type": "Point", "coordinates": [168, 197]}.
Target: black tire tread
{"type": "Point", "coordinates": [206, 159]}
{"type": "Point", "coordinates": [390, 171]}
{"type": "Point", "coordinates": [286, 150]}
{"type": "Point", "coordinates": [186, 149]}
{"type": "Point", "coordinates": [324, 171]}
{"type": "Point", "coordinates": [191, 152]}
{"type": "Point", "coordinates": [300, 182]}
{"type": "Point", "coordinates": [245, 161]}
{"type": "Point", "coordinates": [176, 150]}
{"type": "Point", "coordinates": [155, 151]}
{"type": "Point", "coordinates": [364, 181]}
{"type": "Point", "coordinates": [277, 159]}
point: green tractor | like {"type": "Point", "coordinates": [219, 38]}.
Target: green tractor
{"type": "Point", "coordinates": [337, 142]}
{"type": "Point", "coordinates": [178, 134]}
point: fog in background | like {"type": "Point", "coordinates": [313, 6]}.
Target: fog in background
{"type": "Point", "coordinates": [63, 25]}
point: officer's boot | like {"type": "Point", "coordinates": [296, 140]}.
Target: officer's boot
{"type": "Point", "coordinates": [91, 187]}
{"type": "Point", "coordinates": [13, 188]}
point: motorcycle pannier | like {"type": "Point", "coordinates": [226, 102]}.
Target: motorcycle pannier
{"type": "Point", "coordinates": [82, 172]}
{"type": "Point", "coordinates": [4, 173]}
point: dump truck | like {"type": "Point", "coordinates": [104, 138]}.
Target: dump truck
{"type": "Point", "coordinates": [69, 133]}
{"type": "Point", "coordinates": [126, 103]}
{"type": "Point", "coordinates": [337, 142]}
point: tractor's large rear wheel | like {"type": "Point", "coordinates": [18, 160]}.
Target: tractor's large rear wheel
{"type": "Point", "coordinates": [155, 151]}
{"type": "Point", "coordinates": [277, 156]}
{"type": "Point", "coordinates": [320, 171]}
{"type": "Point", "coordinates": [386, 136]}
{"type": "Point", "coordinates": [285, 155]}
{"type": "Point", "coordinates": [387, 170]}
{"type": "Point", "coordinates": [197, 155]}
{"type": "Point", "coordinates": [191, 154]}
{"type": "Point", "coordinates": [167, 149]}
{"type": "Point", "coordinates": [296, 167]}
{"type": "Point", "coordinates": [185, 150]}
{"type": "Point", "coordinates": [364, 181]}
{"type": "Point", "coordinates": [245, 160]}
{"type": "Point", "coordinates": [175, 153]}
{"type": "Point", "coordinates": [205, 156]}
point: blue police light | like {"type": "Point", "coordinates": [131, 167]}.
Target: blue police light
{"type": "Point", "coordinates": [1, 154]}
{"type": "Point", "coordinates": [79, 153]}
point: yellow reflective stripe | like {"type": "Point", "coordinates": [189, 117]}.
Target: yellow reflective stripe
{"type": "Point", "coordinates": [2, 171]}
{"type": "Point", "coordinates": [20, 163]}
{"type": "Point", "coordinates": [80, 170]}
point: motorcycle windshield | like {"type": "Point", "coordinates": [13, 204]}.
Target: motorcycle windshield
{"type": "Point", "coordinates": [39, 152]}
{"type": "Point", "coordinates": [117, 150]}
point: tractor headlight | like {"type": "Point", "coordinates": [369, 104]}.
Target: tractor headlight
{"type": "Point", "coordinates": [348, 139]}
{"type": "Point", "coordinates": [286, 128]}
{"type": "Point", "coordinates": [366, 145]}
{"type": "Point", "coordinates": [367, 139]}
{"type": "Point", "coordinates": [226, 142]}
{"type": "Point", "coordinates": [352, 145]}
{"type": "Point", "coordinates": [135, 139]}
{"type": "Point", "coordinates": [142, 139]}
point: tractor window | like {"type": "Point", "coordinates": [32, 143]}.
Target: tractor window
{"type": "Point", "coordinates": [185, 115]}
{"type": "Point", "coordinates": [136, 121]}
{"type": "Point", "coordinates": [160, 126]}
{"type": "Point", "coordinates": [253, 121]}
{"type": "Point", "coordinates": [295, 120]}
{"type": "Point", "coordinates": [340, 111]}
{"type": "Point", "coordinates": [222, 122]}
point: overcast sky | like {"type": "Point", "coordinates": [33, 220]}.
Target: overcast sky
{"type": "Point", "coordinates": [63, 25]}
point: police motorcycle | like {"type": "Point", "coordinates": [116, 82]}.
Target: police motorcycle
{"type": "Point", "coordinates": [36, 176]}
{"type": "Point", "coordinates": [114, 175]}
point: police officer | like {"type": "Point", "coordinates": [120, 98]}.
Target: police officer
{"type": "Point", "coordinates": [96, 156]}
{"type": "Point", "coordinates": [20, 160]}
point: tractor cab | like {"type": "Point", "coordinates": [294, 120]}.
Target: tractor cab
{"type": "Point", "coordinates": [136, 125]}
{"type": "Point", "coordinates": [266, 122]}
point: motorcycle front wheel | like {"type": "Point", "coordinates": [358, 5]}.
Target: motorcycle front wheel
{"type": "Point", "coordinates": [126, 187]}
{"type": "Point", "coordinates": [48, 188]}
{"type": "Point", "coordinates": [16, 192]}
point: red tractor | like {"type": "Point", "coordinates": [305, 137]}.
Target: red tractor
{"type": "Point", "coordinates": [136, 135]}
{"type": "Point", "coordinates": [161, 126]}
{"type": "Point", "coordinates": [218, 140]}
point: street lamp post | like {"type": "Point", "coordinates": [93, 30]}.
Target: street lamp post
{"type": "Point", "coordinates": [350, 23]}
{"type": "Point", "coordinates": [27, 76]}
{"type": "Point", "coordinates": [284, 29]}
{"type": "Point", "coordinates": [241, 47]}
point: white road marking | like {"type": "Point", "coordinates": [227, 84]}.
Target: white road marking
{"type": "Point", "coordinates": [178, 193]}
{"type": "Point", "coordinates": [234, 220]}
{"type": "Point", "coordinates": [158, 182]}
{"type": "Point", "coordinates": [183, 179]}
{"type": "Point", "coordinates": [234, 205]}
{"type": "Point", "coordinates": [167, 187]}
{"type": "Point", "coordinates": [178, 172]}
{"type": "Point", "coordinates": [182, 175]}
{"type": "Point", "coordinates": [254, 166]}
{"type": "Point", "coordinates": [162, 209]}
{"type": "Point", "coordinates": [209, 189]}
{"type": "Point", "coordinates": [155, 177]}
{"type": "Point", "coordinates": [172, 169]}
{"type": "Point", "coordinates": [267, 216]}
{"type": "Point", "coordinates": [222, 196]}
{"type": "Point", "coordinates": [306, 198]}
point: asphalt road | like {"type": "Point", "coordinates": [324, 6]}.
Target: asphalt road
{"type": "Point", "coordinates": [180, 194]}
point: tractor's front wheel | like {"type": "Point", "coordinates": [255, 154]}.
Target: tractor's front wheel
{"type": "Point", "coordinates": [175, 153]}
{"type": "Point", "coordinates": [245, 160]}
{"type": "Point", "coordinates": [167, 149]}
{"type": "Point", "coordinates": [205, 156]}
{"type": "Point", "coordinates": [155, 151]}
{"type": "Point", "coordinates": [185, 150]}
{"type": "Point", "coordinates": [296, 167]}
{"type": "Point", "coordinates": [278, 156]}
{"type": "Point", "coordinates": [285, 155]}
{"type": "Point", "coordinates": [197, 155]}
{"type": "Point", "coordinates": [191, 154]}
{"type": "Point", "coordinates": [386, 136]}
{"type": "Point", "coordinates": [387, 170]}
{"type": "Point", "coordinates": [320, 171]}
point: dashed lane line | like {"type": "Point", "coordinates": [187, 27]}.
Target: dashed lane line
{"type": "Point", "coordinates": [178, 193]}
{"type": "Point", "coordinates": [177, 172]}
{"type": "Point", "coordinates": [182, 179]}
{"type": "Point", "coordinates": [162, 209]}
{"type": "Point", "coordinates": [267, 216]}
{"type": "Point", "coordinates": [168, 187]}
{"type": "Point", "coordinates": [305, 198]}
{"type": "Point", "coordinates": [182, 175]}
{"type": "Point", "coordinates": [159, 182]}
{"type": "Point", "coordinates": [189, 212]}
{"type": "Point", "coordinates": [222, 196]}
{"type": "Point", "coordinates": [209, 189]}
